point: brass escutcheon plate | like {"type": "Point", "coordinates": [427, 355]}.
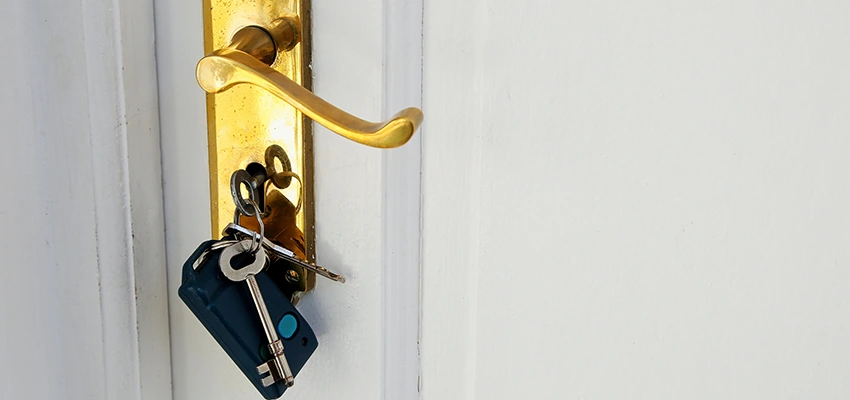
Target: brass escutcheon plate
{"type": "Point", "coordinates": [244, 120]}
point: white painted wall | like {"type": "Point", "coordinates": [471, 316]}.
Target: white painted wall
{"type": "Point", "coordinates": [82, 286]}
{"type": "Point", "coordinates": [636, 200]}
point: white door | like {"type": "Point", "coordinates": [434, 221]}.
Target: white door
{"type": "Point", "coordinates": [617, 199]}
{"type": "Point", "coordinates": [607, 200]}
{"type": "Point", "coordinates": [366, 60]}
{"type": "Point", "coordinates": [636, 200]}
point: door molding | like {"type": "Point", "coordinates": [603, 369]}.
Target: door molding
{"type": "Point", "coordinates": [401, 178]}
{"type": "Point", "coordinates": [86, 301]}
{"type": "Point", "coordinates": [123, 104]}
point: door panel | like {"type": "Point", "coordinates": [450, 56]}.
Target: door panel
{"type": "Point", "coordinates": [348, 40]}
{"type": "Point", "coordinates": [639, 201]}
{"type": "Point", "coordinates": [636, 200]}
{"type": "Point", "coordinates": [82, 289]}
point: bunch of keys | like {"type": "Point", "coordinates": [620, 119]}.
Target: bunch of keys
{"type": "Point", "coordinates": [238, 231]}
{"type": "Point", "coordinates": [254, 322]}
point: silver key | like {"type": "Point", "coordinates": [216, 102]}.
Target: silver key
{"type": "Point", "coordinates": [281, 252]}
{"type": "Point", "coordinates": [247, 274]}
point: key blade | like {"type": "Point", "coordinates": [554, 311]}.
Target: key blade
{"type": "Point", "coordinates": [267, 381]}
{"type": "Point", "coordinates": [263, 368]}
{"type": "Point", "coordinates": [284, 253]}
{"type": "Point", "coordinates": [267, 368]}
{"type": "Point", "coordinates": [232, 228]}
{"type": "Point", "coordinates": [280, 369]}
{"type": "Point", "coordinates": [312, 267]}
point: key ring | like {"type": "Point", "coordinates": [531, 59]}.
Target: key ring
{"type": "Point", "coordinates": [256, 238]}
{"type": "Point", "coordinates": [282, 179]}
{"type": "Point", "coordinates": [239, 178]}
{"type": "Point", "coordinates": [215, 247]}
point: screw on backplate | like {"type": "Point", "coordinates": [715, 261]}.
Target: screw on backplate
{"type": "Point", "coordinates": [292, 276]}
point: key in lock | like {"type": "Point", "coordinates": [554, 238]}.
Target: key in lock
{"type": "Point", "coordinates": [281, 229]}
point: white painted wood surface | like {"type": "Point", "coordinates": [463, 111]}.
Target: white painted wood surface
{"type": "Point", "coordinates": [622, 201]}
{"type": "Point", "coordinates": [401, 203]}
{"type": "Point", "coordinates": [82, 288]}
{"type": "Point", "coordinates": [636, 200]}
{"type": "Point", "coordinates": [358, 347]}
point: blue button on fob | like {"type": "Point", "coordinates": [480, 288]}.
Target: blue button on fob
{"type": "Point", "coordinates": [227, 310]}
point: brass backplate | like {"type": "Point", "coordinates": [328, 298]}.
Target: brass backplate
{"type": "Point", "coordinates": [244, 120]}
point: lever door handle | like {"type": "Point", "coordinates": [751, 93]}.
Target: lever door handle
{"type": "Point", "coordinates": [247, 60]}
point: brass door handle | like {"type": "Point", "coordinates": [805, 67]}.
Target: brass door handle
{"type": "Point", "coordinates": [247, 60]}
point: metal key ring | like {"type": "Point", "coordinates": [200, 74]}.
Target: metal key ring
{"type": "Point", "coordinates": [280, 180]}
{"type": "Point", "coordinates": [214, 247]}
{"type": "Point", "coordinates": [257, 239]}
{"type": "Point", "coordinates": [239, 178]}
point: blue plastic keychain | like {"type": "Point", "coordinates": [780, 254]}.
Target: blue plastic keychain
{"type": "Point", "coordinates": [230, 313]}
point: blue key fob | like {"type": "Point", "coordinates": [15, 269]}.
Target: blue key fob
{"type": "Point", "coordinates": [227, 310]}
